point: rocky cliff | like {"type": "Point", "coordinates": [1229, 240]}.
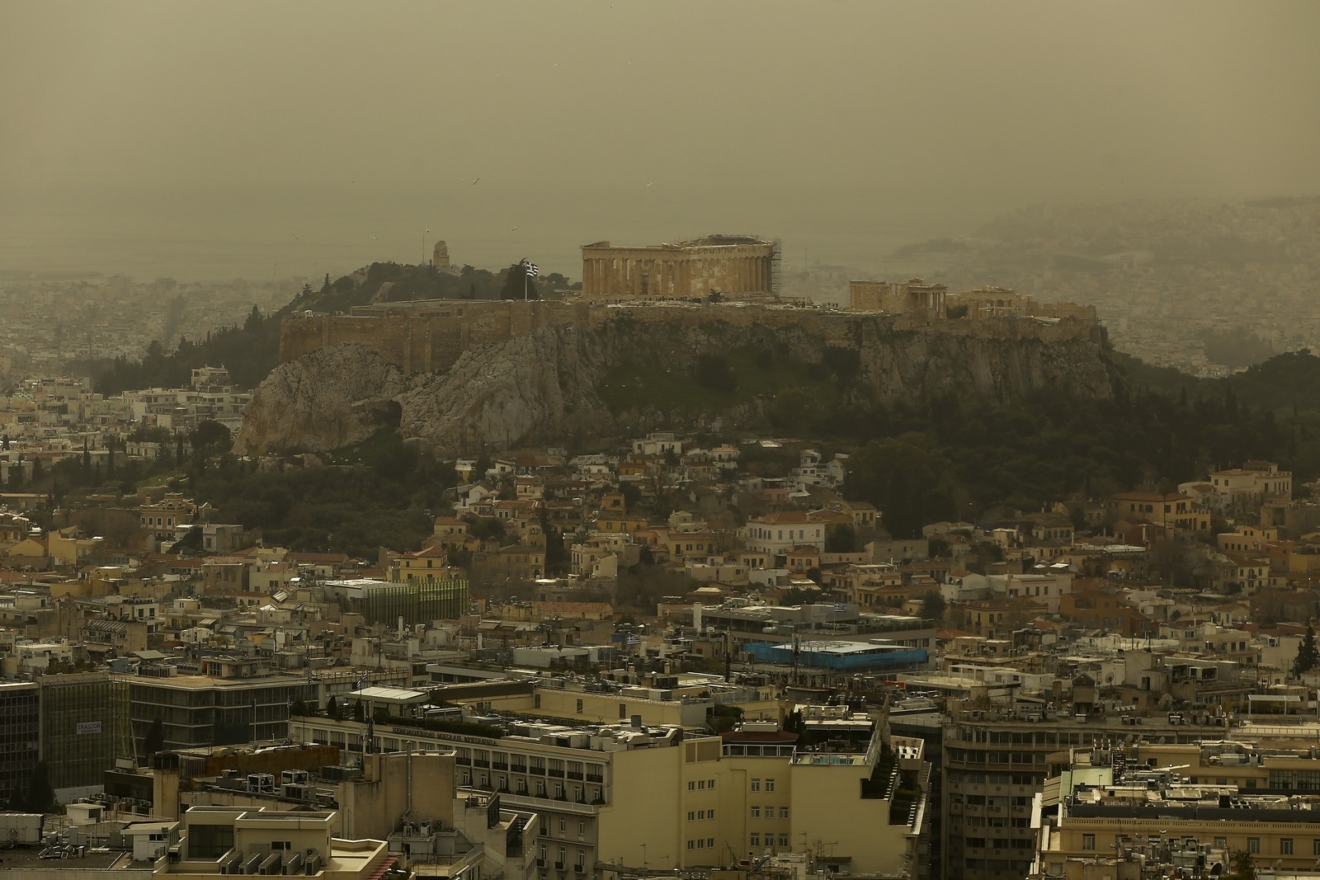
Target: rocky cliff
{"type": "Point", "coordinates": [562, 380]}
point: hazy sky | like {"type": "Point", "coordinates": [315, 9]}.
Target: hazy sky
{"type": "Point", "coordinates": [209, 138]}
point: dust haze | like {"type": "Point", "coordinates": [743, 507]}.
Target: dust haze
{"type": "Point", "coordinates": [221, 139]}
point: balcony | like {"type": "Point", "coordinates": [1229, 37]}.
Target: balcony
{"type": "Point", "coordinates": [518, 768]}
{"type": "Point", "coordinates": [558, 774]}
{"type": "Point", "coordinates": [580, 868]}
{"type": "Point", "coordinates": [499, 765]}
{"type": "Point", "coordinates": [572, 775]}
{"type": "Point", "coordinates": [463, 762]}
{"type": "Point", "coordinates": [485, 764]}
{"type": "Point", "coordinates": [595, 777]}
{"type": "Point", "coordinates": [559, 866]}
{"type": "Point", "coordinates": [540, 863]}
{"type": "Point", "coordinates": [536, 771]}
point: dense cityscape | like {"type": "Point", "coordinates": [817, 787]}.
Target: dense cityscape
{"type": "Point", "coordinates": [637, 441]}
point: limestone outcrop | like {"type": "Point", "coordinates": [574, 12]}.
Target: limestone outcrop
{"type": "Point", "coordinates": [335, 396]}
{"type": "Point", "coordinates": [545, 385]}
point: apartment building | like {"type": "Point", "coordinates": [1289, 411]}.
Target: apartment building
{"type": "Point", "coordinates": [638, 796]}
{"type": "Point", "coordinates": [995, 761]}
{"type": "Point", "coordinates": [1114, 801]}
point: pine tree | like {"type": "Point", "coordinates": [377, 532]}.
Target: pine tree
{"type": "Point", "coordinates": [359, 713]}
{"type": "Point", "coordinates": [332, 709]}
{"type": "Point", "coordinates": [1308, 654]}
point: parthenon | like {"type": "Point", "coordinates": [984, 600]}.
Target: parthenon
{"type": "Point", "coordinates": [734, 265]}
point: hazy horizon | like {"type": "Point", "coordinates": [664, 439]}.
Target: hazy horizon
{"type": "Point", "coordinates": [215, 140]}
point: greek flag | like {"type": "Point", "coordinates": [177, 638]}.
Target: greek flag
{"type": "Point", "coordinates": [840, 608]}
{"type": "Point", "coordinates": [361, 682]}
{"type": "Point", "coordinates": [531, 269]}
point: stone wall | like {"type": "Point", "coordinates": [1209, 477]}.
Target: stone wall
{"type": "Point", "coordinates": [431, 338]}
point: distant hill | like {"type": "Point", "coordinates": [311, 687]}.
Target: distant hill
{"type": "Point", "coordinates": [1284, 382]}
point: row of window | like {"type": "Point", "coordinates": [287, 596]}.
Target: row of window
{"type": "Point", "coordinates": [996, 822]}
{"type": "Point", "coordinates": [700, 815]}
{"type": "Point", "coordinates": [980, 800]}
{"type": "Point", "coordinates": [1000, 843]}
{"type": "Point", "coordinates": [769, 812]}
{"type": "Point", "coordinates": [1253, 845]}
{"type": "Point", "coordinates": [979, 778]}
{"type": "Point", "coordinates": [701, 843]}
{"type": "Point", "coordinates": [563, 857]}
{"type": "Point", "coordinates": [769, 785]}
{"type": "Point", "coordinates": [755, 840]}
{"type": "Point", "coordinates": [701, 785]}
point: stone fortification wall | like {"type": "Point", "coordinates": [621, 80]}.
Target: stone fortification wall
{"type": "Point", "coordinates": [431, 339]}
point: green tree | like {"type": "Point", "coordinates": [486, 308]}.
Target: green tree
{"type": "Point", "coordinates": [907, 478]}
{"type": "Point", "coordinates": [1243, 866]}
{"type": "Point", "coordinates": [332, 709]}
{"type": "Point", "coordinates": [513, 284]}
{"type": "Point", "coordinates": [298, 709]}
{"type": "Point", "coordinates": [359, 711]}
{"type": "Point", "coordinates": [210, 438]}
{"type": "Point", "coordinates": [713, 371]}
{"type": "Point", "coordinates": [840, 538]}
{"type": "Point", "coordinates": [1308, 655]}
{"type": "Point", "coordinates": [932, 605]}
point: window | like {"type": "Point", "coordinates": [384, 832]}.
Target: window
{"type": "Point", "coordinates": [769, 785]}
{"type": "Point", "coordinates": [1088, 841]}
{"type": "Point", "coordinates": [1285, 846]}
{"type": "Point", "coordinates": [1253, 845]}
{"type": "Point", "coordinates": [710, 814]}
{"type": "Point", "coordinates": [691, 816]}
{"type": "Point", "coordinates": [710, 841]}
{"type": "Point", "coordinates": [579, 707]}
{"type": "Point", "coordinates": [1315, 847]}
{"type": "Point", "coordinates": [756, 785]}
{"type": "Point", "coordinates": [692, 786]}
{"type": "Point", "coordinates": [756, 814]}
{"type": "Point", "coordinates": [562, 826]}
{"type": "Point", "coordinates": [692, 844]}
{"type": "Point", "coordinates": [582, 828]}
{"type": "Point", "coordinates": [701, 785]}
{"type": "Point", "coordinates": [710, 783]}
{"type": "Point", "coordinates": [756, 840]}
{"type": "Point", "coordinates": [783, 840]}
{"type": "Point", "coordinates": [783, 812]}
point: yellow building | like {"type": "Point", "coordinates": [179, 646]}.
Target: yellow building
{"type": "Point", "coordinates": [637, 795]}
{"type": "Point", "coordinates": [1214, 798]}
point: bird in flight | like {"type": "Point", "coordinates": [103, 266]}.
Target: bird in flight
{"type": "Point", "coordinates": [474, 183]}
